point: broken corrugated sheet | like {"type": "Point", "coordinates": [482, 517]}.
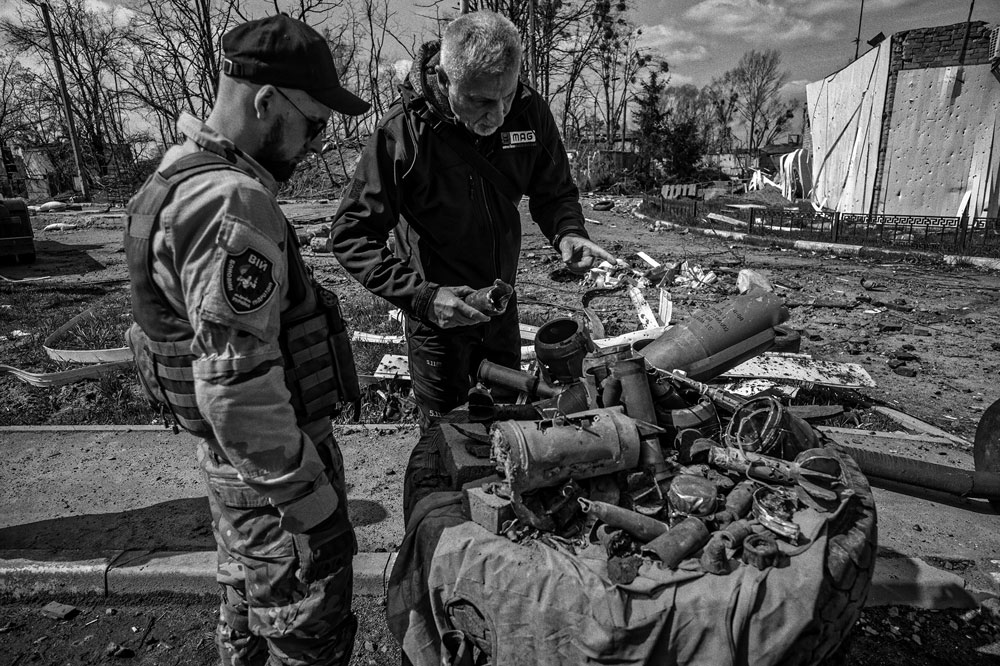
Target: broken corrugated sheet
{"type": "Point", "coordinates": [803, 368]}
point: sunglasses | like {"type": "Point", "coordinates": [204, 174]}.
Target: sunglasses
{"type": "Point", "coordinates": [315, 125]}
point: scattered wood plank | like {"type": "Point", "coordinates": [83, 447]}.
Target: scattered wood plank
{"type": "Point", "coordinates": [725, 219]}
{"type": "Point", "coordinates": [913, 423]}
{"type": "Point", "coordinates": [361, 336]}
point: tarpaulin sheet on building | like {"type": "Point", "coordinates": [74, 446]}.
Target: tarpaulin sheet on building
{"type": "Point", "coordinates": [942, 143]}
{"type": "Point", "coordinates": [845, 116]}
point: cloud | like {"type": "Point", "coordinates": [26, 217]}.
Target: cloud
{"type": "Point", "coordinates": [673, 44]}
{"type": "Point", "coordinates": [795, 88]}
{"type": "Point", "coordinates": [679, 79]}
{"type": "Point", "coordinates": [851, 8]}
{"type": "Point", "coordinates": [763, 20]}
{"type": "Point", "coordinates": [665, 36]}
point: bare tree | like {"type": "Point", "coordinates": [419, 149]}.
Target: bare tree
{"type": "Point", "coordinates": [28, 114]}
{"type": "Point", "coordinates": [753, 90]}
{"type": "Point", "coordinates": [176, 58]}
{"type": "Point", "coordinates": [91, 45]}
{"type": "Point", "coordinates": [616, 64]}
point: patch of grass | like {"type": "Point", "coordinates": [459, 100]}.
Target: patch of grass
{"type": "Point", "coordinates": [105, 327]}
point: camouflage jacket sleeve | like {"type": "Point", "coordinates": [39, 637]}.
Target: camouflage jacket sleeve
{"type": "Point", "coordinates": [229, 242]}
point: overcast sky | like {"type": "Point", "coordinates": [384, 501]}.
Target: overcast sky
{"type": "Point", "coordinates": [703, 38]}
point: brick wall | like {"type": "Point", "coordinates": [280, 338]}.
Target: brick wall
{"type": "Point", "coordinates": [924, 48]}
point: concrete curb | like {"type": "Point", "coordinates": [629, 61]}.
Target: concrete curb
{"type": "Point", "coordinates": [831, 248]}
{"type": "Point", "coordinates": [185, 573]}
{"type": "Point", "coordinates": [346, 429]}
{"type": "Point", "coordinates": [897, 581]}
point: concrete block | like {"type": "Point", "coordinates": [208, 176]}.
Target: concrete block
{"type": "Point", "coordinates": [486, 509]}
{"type": "Point", "coordinates": [462, 466]}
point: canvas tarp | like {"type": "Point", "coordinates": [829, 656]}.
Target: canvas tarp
{"type": "Point", "coordinates": [546, 606]}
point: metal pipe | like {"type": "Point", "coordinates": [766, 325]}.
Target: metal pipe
{"type": "Point", "coordinates": [641, 527]}
{"type": "Point", "coordinates": [980, 484]}
{"type": "Point", "coordinates": [683, 539]}
{"type": "Point", "coordinates": [493, 374]}
{"type": "Point", "coordinates": [639, 405]}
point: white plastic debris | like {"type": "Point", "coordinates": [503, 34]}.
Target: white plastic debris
{"type": "Point", "coordinates": [59, 226]}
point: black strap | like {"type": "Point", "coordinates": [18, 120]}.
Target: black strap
{"type": "Point", "coordinates": [447, 133]}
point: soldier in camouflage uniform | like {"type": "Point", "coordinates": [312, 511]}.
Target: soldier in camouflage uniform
{"type": "Point", "coordinates": [234, 338]}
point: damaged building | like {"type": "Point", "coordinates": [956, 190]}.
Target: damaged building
{"type": "Point", "coordinates": [911, 127]}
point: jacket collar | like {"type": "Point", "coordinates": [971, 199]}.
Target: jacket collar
{"type": "Point", "coordinates": [206, 138]}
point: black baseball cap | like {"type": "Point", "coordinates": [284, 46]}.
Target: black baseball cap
{"type": "Point", "coordinates": [280, 51]}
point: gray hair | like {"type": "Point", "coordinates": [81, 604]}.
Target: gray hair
{"type": "Point", "coordinates": [480, 43]}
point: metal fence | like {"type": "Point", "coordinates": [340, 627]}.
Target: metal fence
{"type": "Point", "coordinates": [947, 235]}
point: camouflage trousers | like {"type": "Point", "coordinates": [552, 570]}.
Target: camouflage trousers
{"type": "Point", "coordinates": [267, 615]}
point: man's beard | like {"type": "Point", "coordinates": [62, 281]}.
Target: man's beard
{"type": "Point", "coordinates": [281, 170]}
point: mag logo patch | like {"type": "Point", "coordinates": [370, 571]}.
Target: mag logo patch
{"type": "Point", "coordinates": [517, 139]}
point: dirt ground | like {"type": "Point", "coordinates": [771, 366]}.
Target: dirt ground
{"type": "Point", "coordinates": [163, 631]}
{"type": "Point", "coordinates": [940, 319]}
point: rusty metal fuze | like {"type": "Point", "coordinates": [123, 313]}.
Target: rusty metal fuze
{"type": "Point", "coordinates": [560, 346]}
{"type": "Point", "coordinates": [491, 300]}
{"type": "Point", "coordinates": [493, 374]}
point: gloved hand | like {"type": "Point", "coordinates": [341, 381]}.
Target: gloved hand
{"type": "Point", "coordinates": [581, 254]}
{"type": "Point", "coordinates": [448, 310]}
{"type": "Point", "coordinates": [324, 549]}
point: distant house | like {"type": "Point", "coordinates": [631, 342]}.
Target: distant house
{"type": "Point", "coordinates": [912, 127]}
{"type": "Point", "coordinates": [11, 174]}
{"type": "Point", "coordinates": [736, 164]}
{"type": "Point", "coordinates": [770, 154]}
{"type": "Point", "coordinates": [41, 182]}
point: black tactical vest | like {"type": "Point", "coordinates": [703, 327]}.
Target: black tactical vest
{"type": "Point", "coordinates": [316, 351]}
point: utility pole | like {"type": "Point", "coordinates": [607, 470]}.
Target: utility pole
{"type": "Point", "coordinates": [857, 41]}
{"type": "Point", "coordinates": [70, 125]}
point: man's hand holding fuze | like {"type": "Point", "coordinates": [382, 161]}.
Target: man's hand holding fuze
{"type": "Point", "coordinates": [581, 254]}
{"type": "Point", "coordinates": [448, 310]}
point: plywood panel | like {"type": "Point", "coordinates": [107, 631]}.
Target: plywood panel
{"type": "Point", "coordinates": [940, 143]}
{"type": "Point", "coordinates": [845, 115]}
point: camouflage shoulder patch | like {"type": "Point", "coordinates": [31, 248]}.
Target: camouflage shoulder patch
{"type": "Point", "coordinates": [247, 281]}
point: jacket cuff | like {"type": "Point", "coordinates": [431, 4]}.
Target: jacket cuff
{"type": "Point", "coordinates": [304, 513]}
{"type": "Point", "coordinates": [568, 231]}
{"type": "Point", "coordinates": [424, 301]}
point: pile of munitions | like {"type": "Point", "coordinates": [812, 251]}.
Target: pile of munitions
{"type": "Point", "coordinates": [631, 449]}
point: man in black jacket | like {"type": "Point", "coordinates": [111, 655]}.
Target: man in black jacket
{"type": "Point", "coordinates": [445, 170]}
